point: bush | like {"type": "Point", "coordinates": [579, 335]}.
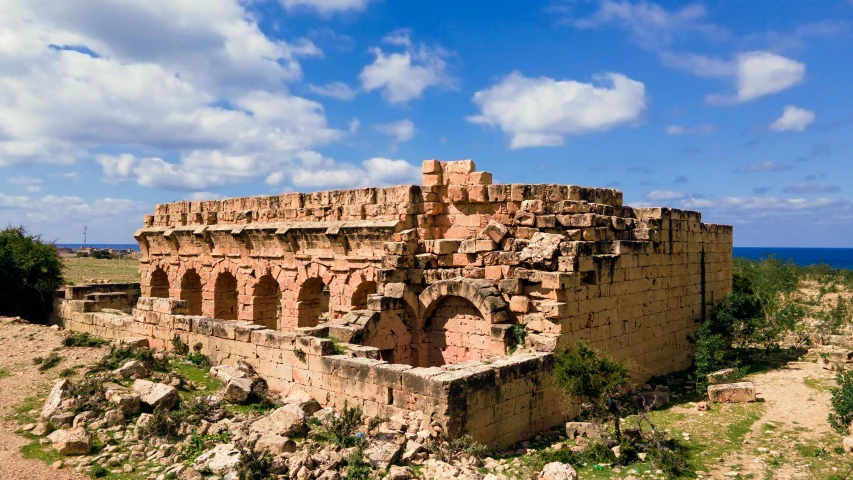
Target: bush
{"type": "Point", "coordinates": [163, 423]}
{"type": "Point", "coordinates": [357, 468]}
{"type": "Point", "coordinates": [30, 273]}
{"type": "Point", "coordinates": [254, 465]}
{"type": "Point", "coordinates": [51, 361]}
{"type": "Point", "coordinates": [197, 444]}
{"type": "Point", "coordinates": [83, 340]}
{"type": "Point", "coordinates": [448, 451]}
{"type": "Point", "coordinates": [841, 415]}
{"type": "Point", "coordinates": [594, 381]}
{"type": "Point", "coordinates": [179, 347]}
{"type": "Point", "coordinates": [340, 428]}
{"type": "Point", "coordinates": [101, 254]}
{"type": "Point", "coordinates": [593, 453]}
{"type": "Point", "coordinates": [88, 392]}
{"type": "Point", "coordinates": [197, 358]}
{"type": "Point", "coordinates": [118, 356]}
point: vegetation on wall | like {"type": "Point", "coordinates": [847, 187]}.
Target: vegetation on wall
{"type": "Point", "coordinates": [30, 273]}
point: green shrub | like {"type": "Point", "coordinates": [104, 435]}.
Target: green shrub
{"type": "Point", "coordinates": [597, 383]}
{"type": "Point", "coordinates": [448, 451]}
{"type": "Point", "coordinates": [593, 453]}
{"type": "Point", "coordinates": [83, 340]}
{"type": "Point", "coordinates": [357, 468]}
{"type": "Point", "coordinates": [197, 358]}
{"type": "Point", "coordinates": [254, 465]}
{"type": "Point", "coordinates": [99, 471]}
{"type": "Point", "coordinates": [179, 347]}
{"type": "Point", "coordinates": [163, 423]}
{"type": "Point", "coordinates": [300, 354]}
{"type": "Point", "coordinates": [340, 428]}
{"type": "Point", "coordinates": [51, 361]}
{"type": "Point", "coordinates": [88, 391]}
{"type": "Point", "coordinates": [198, 444]}
{"type": "Point", "coordinates": [841, 403]}
{"type": "Point", "coordinates": [118, 356]}
{"type": "Point", "coordinates": [30, 273]}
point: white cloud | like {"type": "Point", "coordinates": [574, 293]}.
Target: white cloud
{"type": "Point", "coordinates": [326, 7]}
{"type": "Point", "coordinates": [665, 195]}
{"type": "Point", "coordinates": [55, 216]}
{"type": "Point", "coordinates": [200, 196]}
{"type": "Point", "coordinates": [766, 166]}
{"type": "Point", "coordinates": [338, 90]}
{"type": "Point", "coordinates": [541, 111]}
{"type": "Point", "coordinates": [354, 124]}
{"type": "Point", "coordinates": [700, 65]}
{"type": "Point", "coordinates": [402, 131]}
{"type": "Point", "coordinates": [23, 180]}
{"type": "Point", "coordinates": [195, 78]}
{"type": "Point", "coordinates": [793, 119]}
{"type": "Point", "coordinates": [274, 178]}
{"type": "Point", "coordinates": [403, 76]}
{"type": "Point", "coordinates": [697, 130]}
{"type": "Point", "coordinates": [317, 172]}
{"type": "Point", "coordinates": [759, 74]}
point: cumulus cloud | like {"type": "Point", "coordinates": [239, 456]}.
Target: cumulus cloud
{"type": "Point", "coordinates": [697, 130]}
{"type": "Point", "coordinates": [811, 187]}
{"type": "Point", "coordinates": [54, 215]}
{"type": "Point", "coordinates": [404, 76]}
{"type": "Point", "coordinates": [793, 119]}
{"type": "Point", "coordinates": [196, 78]}
{"type": "Point", "coordinates": [401, 131]}
{"type": "Point", "coordinates": [759, 74]}
{"type": "Point", "coordinates": [326, 7]}
{"type": "Point", "coordinates": [664, 195]}
{"type": "Point", "coordinates": [541, 111]}
{"type": "Point", "coordinates": [200, 196]}
{"type": "Point", "coordinates": [337, 90]}
{"type": "Point", "coordinates": [766, 166]}
{"type": "Point", "coordinates": [318, 172]}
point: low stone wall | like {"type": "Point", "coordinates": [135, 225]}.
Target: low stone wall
{"type": "Point", "coordinates": [498, 403]}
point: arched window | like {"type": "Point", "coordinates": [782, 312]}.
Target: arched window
{"type": "Point", "coordinates": [266, 302]}
{"type": "Point", "coordinates": [191, 291]}
{"type": "Point", "coordinates": [225, 297]}
{"type": "Point", "coordinates": [159, 286]}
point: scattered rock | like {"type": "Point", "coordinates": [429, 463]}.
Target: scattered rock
{"type": "Point", "coordinates": [71, 442]}
{"type": "Point", "coordinates": [732, 392]}
{"type": "Point", "coordinates": [155, 394]}
{"type": "Point", "coordinates": [397, 472]}
{"type": "Point", "coordinates": [380, 454]}
{"type": "Point", "coordinates": [703, 406]}
{"type": "Point", "coordinates": [287, 421]}
{"type": "Point", "coordinates": [847, 444]}
{"type": "Point", "coordinates": [275, 444]}
{"type": "Point", "coordinates": [558, 471]}
{"type": "Point", "coordinates": [582, 429]}
{"type": "Point", "coordinates": [113, 418]}
{"type": "Point", "coordinates": [221, 459]}
{"type": "Point", "coordinates": [722, 376]}
{"type": "Point", "coordinates": [54, 399]}
{"type": "Point", "coordinates": [130, 369]}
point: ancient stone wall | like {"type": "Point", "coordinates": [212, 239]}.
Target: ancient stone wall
{"type": "Point", "coordinates": [447, 278]}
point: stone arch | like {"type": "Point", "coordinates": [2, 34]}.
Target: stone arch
{"type": "Point", "coordinates": [358, 301]}
{"type": "Point", "coordinates": [312, 302]}
{"type": "Point", "coordinates": [191, 291]}
{"type": "Point", "coordinates": [266, 302]}
{"type": "Point", "coordinates": [457, 318]}
{"type": "Point", "coordinates": [225, 303]}
{"type": "Point", "coordinates": [158, 285]}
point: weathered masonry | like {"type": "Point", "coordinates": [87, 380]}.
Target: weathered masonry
{"type": "Point", "coordinates": [446, 298]}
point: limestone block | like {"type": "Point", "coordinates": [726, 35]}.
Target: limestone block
{"type": "Point", "coordinates": [495, 231]}
{"type": "Point", "coordinates": [431, 166]}
{"type": "Point", "coordinates": [276, 444]}
{"type": "Point", "coordinates": [287, 421]}
{"type": "Point", "coordinates": [732, 392]}
{"type": "Point", "coordinates": [558, 471]}
{"type": "Point", "coordinates": [130, 369]}
{"type": "Point", "coordinates": [54, 399]}
{"type": "Point", "coordinates": [722, 376]}
{"type": "Point", "coordinates": [582, 429]}
{"type": "Point", "coordinates": [71, 442]}
{"type": "Point", "coordinates": [459, 166]}
{"type": "Point", "coordinates": [519, 304]}
{"type": "Point", "coordinates": [155, 394]}
{"type": "Point", "coordinates": [443, 247]}
{"type": "Point", "coordinates": [221, 459]}
{"type": "Point", "coordinates": [541, 250]}
{"type": "Point", "coordinates": [476, 246]}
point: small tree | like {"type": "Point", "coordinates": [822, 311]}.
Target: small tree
{"type": "Point", "coordinates": [841, 416]}
{"type": "Point", "coordinates": [596, 382]}
{"type": "Point", "coordinates": [30, 273]}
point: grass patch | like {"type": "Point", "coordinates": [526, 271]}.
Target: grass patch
{"type": "Point", "coordinates": [21, 412]}
{"type": "Point", "coordinates": [83, 340]}
{"type": "Point", "coordinates": [68, 372]}
{"type": "Point", "coordinates": [36, 450]}
{"type": "Point", "coordinates": [51, 361]}
{"type": "Point", "coordinates": [816, 384]}
{"type": "Point", "coordinates": [4, 372]}
{"type": "Point", "coordinates": [81, 270]}
{"type": "Point", "coordinates": [198, 375]}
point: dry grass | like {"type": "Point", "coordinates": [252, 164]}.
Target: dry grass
{"type": "Point", "coordinates": [86, 269]}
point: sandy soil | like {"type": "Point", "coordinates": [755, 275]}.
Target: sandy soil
{"type": "Point", "coordinates": [19, 344]}
{"type": "Point", "coordinates": [798, 413]}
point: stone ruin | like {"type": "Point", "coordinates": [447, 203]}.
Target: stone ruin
{"type": "Point", "coordinates": [447, 298]}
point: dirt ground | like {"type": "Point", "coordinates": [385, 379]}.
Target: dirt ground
{"type": "Point", "coordinates": [796, 400]}
{"type": "Point", "coordinates": [19, 344]}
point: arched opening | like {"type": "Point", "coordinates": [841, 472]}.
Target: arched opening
{"type": "Point", "coordinates": [393, 336]}
{"type": "Point", "coordinates": [313, 303]}
{"type": "Point", "coordinates": [191, 291]}
{"type": "Point", "coordinates": [359, 297]}
{"type": "Point", "coordinates": [266, 302]}
{"type": "Point", "coordinates": [454, 332]}
{"type": "Point", "coordinates": [159, 286]}
{"type": "Point", "coordinates": [225, 297]}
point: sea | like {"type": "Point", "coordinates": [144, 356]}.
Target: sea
{"type": "Point", "coordinates": [834, 257]}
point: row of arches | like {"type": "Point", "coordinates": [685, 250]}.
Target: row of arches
{"type": "Point", "coordinates": [267, 303]}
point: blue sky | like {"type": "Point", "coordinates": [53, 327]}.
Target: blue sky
{"type": "Point", "coordinates": [741, 110]}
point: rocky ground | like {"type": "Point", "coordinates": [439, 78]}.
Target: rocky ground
{"type": "Point", "coordinates": [138, 414]}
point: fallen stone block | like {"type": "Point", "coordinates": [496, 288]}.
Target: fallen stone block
{"type": "Point", "coordinates": [287, 421]}
{"type": "Point", "coordinates": [71, 442]}
{"type": "Point", "coordinates": [130, 369]}
{"type": "Point", "coordinates": [155, 394]}
{"type": "Point", "coordinates": [381, 454]}
{"type": "Point", "coordinates": [276, 444]}
{"type": "Point", "coordinates": [558, 471]}
{"type": "Point", "coordinates": [54, 399]}
{"type": "Point", "coordinates": [722, 376]}
{"type": "Point", "coordinates": [732, 392]}
{"type": "Point", "coordinates": [221, 459]}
